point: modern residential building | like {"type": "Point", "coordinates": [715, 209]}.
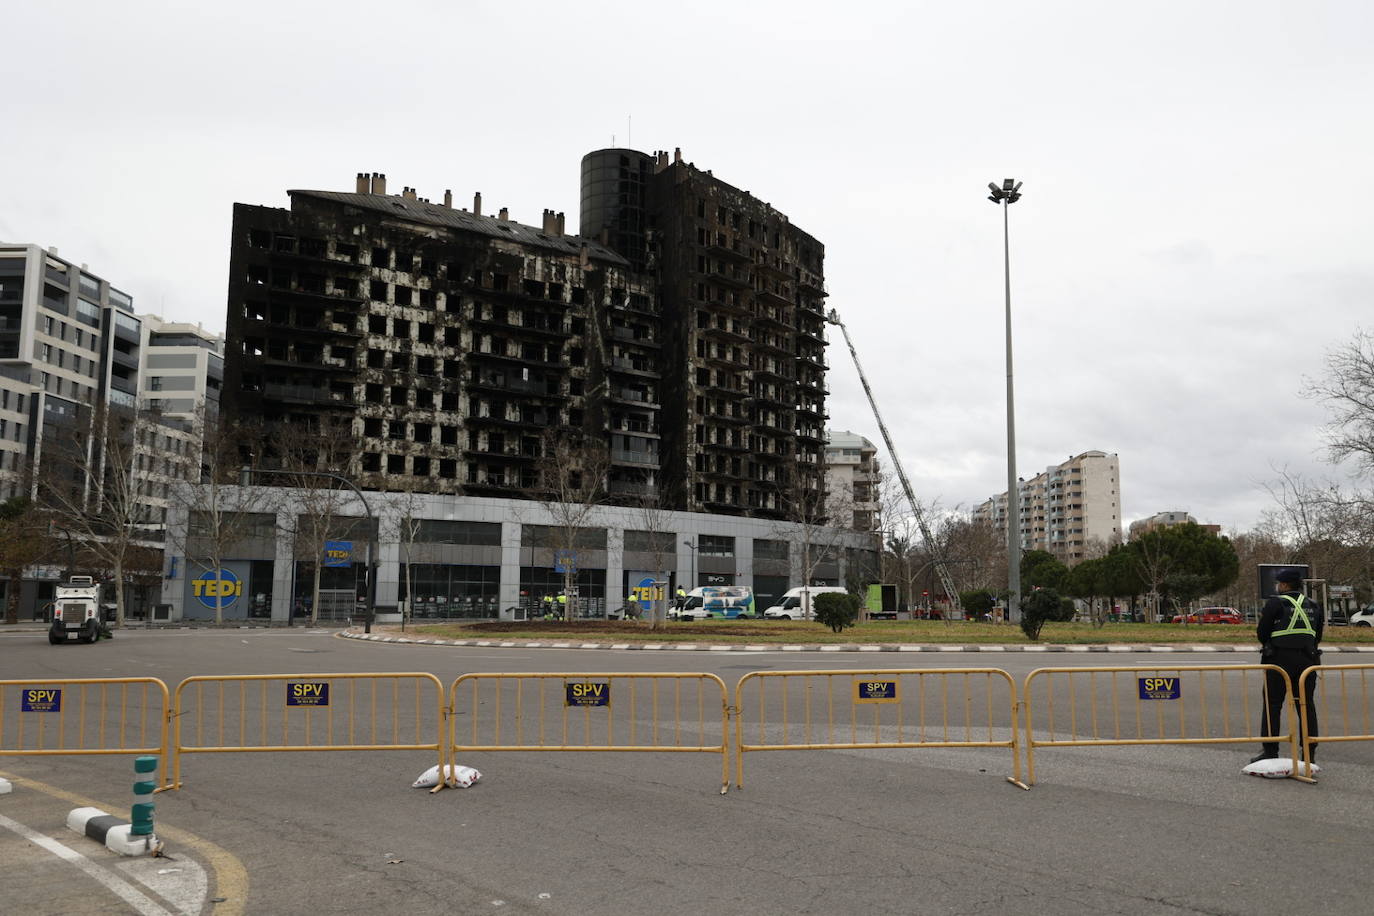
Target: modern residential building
{"type": "Point", "coordinates": [682, 332]}
{"type": "Point", "coordinates": [851, 481]}
{"type": "Point", "coordinates": [1165, 520]}
{"type": "Point", "coordinates": [180, 377]}
{"type": "Point", "coordinates": [1067, 509]}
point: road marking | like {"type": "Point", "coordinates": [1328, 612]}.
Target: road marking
{"type": "Point", "coordinates": [121, 888]}
{"type": "Point", "coordinates": [230, 877]}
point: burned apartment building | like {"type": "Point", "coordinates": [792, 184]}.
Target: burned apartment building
{"type": "Point", "coordinates": [683, 331]}
{"type": "Point", "coordinates": [742, 294]}
{"type": "Point", "coordinates": [439, 345]}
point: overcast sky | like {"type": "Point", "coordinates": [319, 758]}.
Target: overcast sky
{"type": "Point", "coordinates": [1195, 231]}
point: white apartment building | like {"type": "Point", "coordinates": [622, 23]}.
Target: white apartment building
{"type": "Point", "coordinates": [69, 344]}
{"type": "Point", "coordinates": [851, 480]}
{"type": "Point", "coordinates": [1066, 508]}
{"type": "Point", "coordinates": [182, 368]}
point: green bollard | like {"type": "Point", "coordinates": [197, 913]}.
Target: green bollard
{"type": "Point", "coordinates": [141, 815]}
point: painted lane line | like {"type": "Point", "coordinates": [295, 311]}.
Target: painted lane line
{"type": "Point", "coordinates": [121, 888]}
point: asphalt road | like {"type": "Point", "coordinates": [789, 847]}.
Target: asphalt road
{"type": "Point", "coordinates": [1138, 830]}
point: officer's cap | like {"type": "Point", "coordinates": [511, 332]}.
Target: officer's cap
{"type": "Point", "coordinates": [1290, 576]}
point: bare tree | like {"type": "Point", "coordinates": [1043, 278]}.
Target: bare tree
{"type": "Point", "coordinates": [572, 473]}
{"type": "Point", "coordinates": [1347, 389]}
{"type": "Point", "coordinates": [24, 541]}
{"type": "Point", "coordinates": [811, 531]}
{"type": "Point", "coordinates": [87, 482]}
{"type": "Point", "coordinates": [654, 519]}
{"type": "Point", "coordinates": [220, 514]}
{"type": "Point", "coordinates": [306, 452]}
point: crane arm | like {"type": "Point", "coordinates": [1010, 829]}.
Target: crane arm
{"type": "Point", "coordinates": [946, 580]}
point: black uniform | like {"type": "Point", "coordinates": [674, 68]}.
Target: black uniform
{"type": "Point", "coordinates": [1294, 653]}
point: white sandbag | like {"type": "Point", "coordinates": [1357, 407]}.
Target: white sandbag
{"type": "Point", "coordinates": [1279, 768]}
{"type": "Point", "coordinates": [454, 775]}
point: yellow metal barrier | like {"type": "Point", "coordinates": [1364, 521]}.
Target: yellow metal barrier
{"type": "Point", "coordinates": [1191, 704]}
{"type": "Point", "coordinates": [1344, 698]}
{"type": "Point", "coordinates": [115, 715]}
{"type": "Point", "coordinates": [906, 708]}
{"type": "Point", "coordinates": [307, 712]}
{"type": "Point", "coordinates": [676, 713]}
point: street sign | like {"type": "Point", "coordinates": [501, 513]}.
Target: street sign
{"type": "Point", "coordinates": [565, 561]}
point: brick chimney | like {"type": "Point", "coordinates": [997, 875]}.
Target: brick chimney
{"type": "Point", "coordinates": [558, 225]}
{"type": "Point", "coordinates": [364, 184]}
{"type": "Point", "coordinates": [409, 194]}
{"type": "Point", "coordinates": [378, 183]}
{"type": "Point", "coordinates": [504, 215]}
{"type": "Point", "coordinates": [550, 223]}
{"type": "Point", "coordinates": [448, 198]}
{"type": "Point", "coordinates": [477, 204]}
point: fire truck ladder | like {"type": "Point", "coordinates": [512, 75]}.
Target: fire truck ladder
{"type": "Point", "coordinates": [946, 581]}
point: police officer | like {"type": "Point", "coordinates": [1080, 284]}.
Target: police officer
{"type": "Point", "coordinates": [1290, 630]}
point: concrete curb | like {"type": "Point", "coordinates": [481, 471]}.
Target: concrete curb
{"type": "Point", "coordinates": [854, 647]}
{"type": "Point", "coordinates": [6, 787]}
{"type": "Point", "coordinates": [112, 831]}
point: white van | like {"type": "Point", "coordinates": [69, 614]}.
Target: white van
{"type": "Point", "coordinates": [795, 603]}
{"type": "Point", "coordinates": [730, 602]}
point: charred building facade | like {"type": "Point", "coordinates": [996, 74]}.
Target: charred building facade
{"type": "Point", "coordinates": [742, 294]}
{"type": "Point", "coordinates": [442, 343]}
{"type": "Point", "coordinates": [682, 331]}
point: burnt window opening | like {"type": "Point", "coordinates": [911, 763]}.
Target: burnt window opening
{"type": "Point", "coordinates": [424, 432]}
{"type": "Point", "coordinates": [345, 252]}
{"type": "Point", "coordinates": [381, 257]}
{"type": "Point", "coordinates": [376, 324]}
{"type": "Point", "coordinates": [259, 238]}
{"type": "Point", "coordinates": [579, 295]}
{"type": "Point", "coordinates": [398, 395]}
{"type": "Point", "coordinates": [345, 286]}
{"type": "Point", "coordinates": [424, 366]}
{"type": "Point", "coordinates": [424, 332]}
{"type": "Point", "coordinates": [372, 462]}
{"type": "Point", "coordinates": [576, 357]}
{"type": "Point", "coordinates": [396, 429]}
{"type": "Point", "coordinates": [402, 295]}
{"type": "Point", "coordinates": [453, 337]}
{"type": "Point", "coordinates": [534, 288]}
{"type": "Point", "coordinates": [372, 393]}
{"type": "Point", "coordinates": [448, 435]}
{"type": "Point", "coordinates": [426, 298]}
{"type": "Point", "coordinates": [575, 387]}
{"type": "Point", "coordinates": [579, 325]}
{"type": "Point", "coordinates": [376, 290]}
{"type": "Point", "coordinates": [395, 464]}
{"type": "Point", "coordinates": [372, 426]}
{"type": "Point", "coordinates": [500, 282]}
{"type": "Point", "coordinates": [448, 468]}
{"type": "Point", "coordinates": [376, 359]}
{"type": "Point", "coordinates": [453, 368]}
{"type": "Point", "coordinates": [424, 398]}
{"type": "Point", "coordinates": [429, 267]}
{"type": "Point", "coordinates": [400, 328]}
{"type": "Point", "coordinates": [420, 466]}
{"type": "Point", "coordinates": [449, 401]}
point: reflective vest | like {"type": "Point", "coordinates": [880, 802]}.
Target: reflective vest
{"type": "Point", "coordinates": [1299, 624]}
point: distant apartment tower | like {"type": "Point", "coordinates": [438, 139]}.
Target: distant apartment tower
{"type": "Point", "coordinates": [851, 487]}
{"type": "Point", "coordinates": [742, 295]}
{"type": "Point", "coordinates": [69, 344]}
{"type": "Point", "coordinates": [1066, 508]}
{"type": "Point", "coordinates": [180, 379]}
{"type": "Point", "coordinates": [1166, 520]}
{"type": "Point", "coordinates": [441, 344]}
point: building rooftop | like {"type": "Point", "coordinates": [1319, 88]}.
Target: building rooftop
{"type": "Point", "coordinates": [422, 211]}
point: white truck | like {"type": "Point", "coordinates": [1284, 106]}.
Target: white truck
{"type": "Point", "coordinates": [76, 611]}
{"type": "Point", "coordinates": [796, 603]}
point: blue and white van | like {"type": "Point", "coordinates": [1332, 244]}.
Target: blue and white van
{"type": "Point", "coordinates": [717, 602]}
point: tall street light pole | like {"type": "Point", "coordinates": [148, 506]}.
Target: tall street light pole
{"type": "Point", "coordinates": [1004, 196]}
{"type": "Point", "coordinates": [693, 547]}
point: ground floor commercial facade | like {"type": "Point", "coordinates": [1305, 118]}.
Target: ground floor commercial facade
{"type": "Point", "coordinates": [442, 557]}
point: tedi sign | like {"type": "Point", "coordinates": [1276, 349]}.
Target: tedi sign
{"type": "Point", "coordinates": [217, 588]}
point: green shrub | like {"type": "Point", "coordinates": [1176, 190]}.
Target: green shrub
{"type": "Point", "coordinates": [979, 602]}
{"type": "Point", "coordinates": [836, 610]}
{"type": "Point", "coordinates": [1040, 607]}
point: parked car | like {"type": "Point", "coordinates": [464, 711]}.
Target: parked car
{"type": "Point", "coordinates": [1363, 618]}
{"type": "Point", "coordinates": [1211, 615]}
